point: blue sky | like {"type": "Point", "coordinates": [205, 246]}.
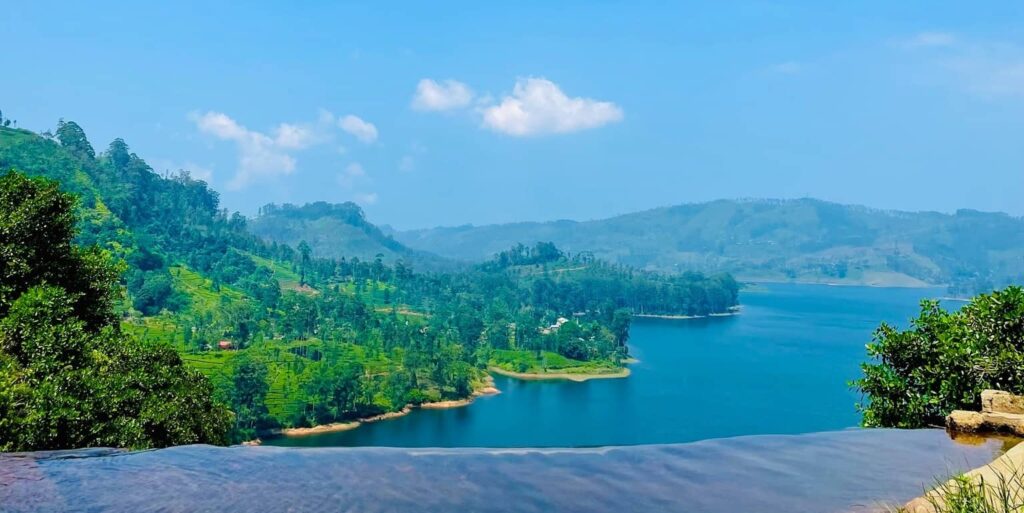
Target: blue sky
{"type": "Point", "coordinates": [479, 112]}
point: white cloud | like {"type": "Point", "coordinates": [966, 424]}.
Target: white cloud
{"type": "Point", "coordinates": [219, 125]}
{"type": "Point", "coordinates": [367, 198]}
{"type": "Point", "coordinates": [353, 173]}
{"type": "Point", "coordinates": [538, 106]}
{"type": "Point", "coordinates": [358, 128]}
{"type": "Point", "coordinates": [448, 95]}
{"type": "Point", "coordinates": [259, 155]}
{"type": "Point", "coordinates": [929, 40]}
{"type": "Point", "coordinates": [295, 137]}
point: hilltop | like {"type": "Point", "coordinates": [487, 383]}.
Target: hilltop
{"type": "Point", "coordinates": [338, 231]}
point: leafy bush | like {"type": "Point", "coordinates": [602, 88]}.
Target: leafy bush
{"type": "Point", "coordinates": [944, 361]}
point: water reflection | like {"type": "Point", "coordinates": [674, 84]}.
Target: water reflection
{"type": "Point", "coordinates": [836, 471]}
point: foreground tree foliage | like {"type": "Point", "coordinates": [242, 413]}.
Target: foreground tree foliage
{"type": "Point", "coordinates": [68, 376]}
{"type": "Point", "coordinates": [944, 361]}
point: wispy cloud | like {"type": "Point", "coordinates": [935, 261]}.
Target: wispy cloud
{"type": "Point", "coordinates": [407, 164]}
{"type": "Point", "coordinates": [537, 106]}
{"type": "Point", "coordinates": [928, 40]}
{"type": "Point", "coordinates": [983, 67]}
{"type": "Point", "coordinates": [367, 198]}
{"type": "Point", "coordinates": [352, 174]}
{"type": "Point", "coordinates": [788, 68]}
{"type": "Point", "coordinates": [259, 155]}
{"type": "Point", "coordinates": [447, 95]}
{"type": "Point", "coordinates": [355, 126]}
{"type": "Point", "coordinates": [264, 155]}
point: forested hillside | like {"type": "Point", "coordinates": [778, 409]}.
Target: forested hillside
{"type": "Point", "coordinates": [338, 230]}
{"type": "Point", "coordinates": [802, 240]}
{"type": "Point", "coordinates": [289, 339]}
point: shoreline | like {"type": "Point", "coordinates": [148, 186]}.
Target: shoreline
{"type": "Point", "coordinates": [686, 317]}
{"type": "Point", "coordinates": [874, 285]}
{"type": "Point", "coordinates": [486, 388]}
{"type": "Point", "coordinates": [570, 376]}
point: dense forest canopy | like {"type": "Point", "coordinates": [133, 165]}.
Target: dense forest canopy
{"type": "Point", "coordinates": [69, 376]}
{"type": "Point", "coordinates": [802, 240]}
{"type": "Point", "coordinates": [289, 338]}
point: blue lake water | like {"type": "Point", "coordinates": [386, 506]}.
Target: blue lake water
{"type": "Point", "coordinates": [780, 367]}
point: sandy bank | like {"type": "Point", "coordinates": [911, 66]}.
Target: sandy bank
{"type": "Point", "coordinates": [486, 388]}
{"type": "Point", "coordinates": [343, 426]}
{"type": "Point", "coordinates": [571, 376]}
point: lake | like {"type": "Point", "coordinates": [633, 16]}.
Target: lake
{"type": "Point", "coordinates": [780, 367]}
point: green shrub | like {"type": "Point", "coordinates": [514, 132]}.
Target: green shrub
{"type": "Point", "coordinates": [943, 361]}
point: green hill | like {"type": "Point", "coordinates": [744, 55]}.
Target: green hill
{"type": "Point", "coordinates": [801, 240]}
{"type": "Point", "coordinates": [338, 231]}
{"type": "Point", "coordinates": [291, 338]}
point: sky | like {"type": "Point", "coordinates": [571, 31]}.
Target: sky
{"type": "Point", "coordinates": [449, 113]}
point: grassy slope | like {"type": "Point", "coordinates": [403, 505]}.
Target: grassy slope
{"type": "Point", "coordinates": [286, 359]}
{"type": "Point", "coordinates": [548, 362]}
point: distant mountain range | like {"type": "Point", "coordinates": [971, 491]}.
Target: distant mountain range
{"type": "Point", "coordinates": [803, 240]}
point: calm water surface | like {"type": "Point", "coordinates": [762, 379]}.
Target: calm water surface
{"type": "Point", "coordinates": [840, 472]}
{"type": "Point", "coordinates": [781, 367]}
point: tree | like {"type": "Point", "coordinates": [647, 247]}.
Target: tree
{"type": "Point", "coordinates": [944, 361]}
{"type": "Point", "coordinates": [248, 397]}
{"type": "Point", "coordinates": [70, 377]}
{"type": "Point", "coordinates": [118, 154]}
{"type": "Point", "coordinates": [72, 137]}
{"type": "Point", "coordinates": [621, 321]}
{"type": "Point", "coordinates": [304, 251]}
{"type": "Point", "coordinates": [37, 225]}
